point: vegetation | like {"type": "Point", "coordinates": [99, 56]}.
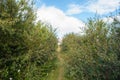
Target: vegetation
{"type": "Point", "coordinates": [26, 51]}
{"type": "Point", "coordinates": [28, 48]}
{"type": "Point", "coordinates": [94, 55]}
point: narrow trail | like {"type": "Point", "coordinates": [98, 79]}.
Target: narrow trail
{"type": "Point", "coordinates": [58, 73]}
{"type": "Point", "coordinates": [61, 65]}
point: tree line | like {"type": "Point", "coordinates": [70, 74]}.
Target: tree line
{"type": "Point", "coordinates": [27, 47]}
{"type": "Point", "coordinates": [95, 55]}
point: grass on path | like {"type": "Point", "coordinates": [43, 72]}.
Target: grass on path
{"type": "Point", "coordinates": [58, 73]}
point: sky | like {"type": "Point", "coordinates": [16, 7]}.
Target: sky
{"type": "Point", "coordinates": [71, 15]}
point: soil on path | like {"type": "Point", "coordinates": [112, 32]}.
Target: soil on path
{"type": "Point", "coordinates": [61, 65]}
{"type": "Point", "coordinates": [58, 73]}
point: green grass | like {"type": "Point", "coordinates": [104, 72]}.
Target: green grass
{"type": "Point", "coordinates": [58, 73]}
{"type": "Point", "coordinates": [53, 75]}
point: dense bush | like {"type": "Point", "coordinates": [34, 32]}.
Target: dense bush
{"type": "Point", "coordinates": [26, 49]}
{"type": "Point", "coordinates": [94, 55]}
{"type": "Point", "coordinates": [42, 47]}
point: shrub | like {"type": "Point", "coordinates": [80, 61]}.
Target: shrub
{"type": "Point", "coordinates": [95, 58]}
{"type": "Point", "coordinates": [27, 50]}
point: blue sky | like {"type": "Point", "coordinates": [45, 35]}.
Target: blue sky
{"type": "Point", "coordinates": [71, 15]}
{"type": "Point", "coordinates": [64, 5]}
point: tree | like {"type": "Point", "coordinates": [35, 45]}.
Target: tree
{"type": "Point", "coordinates": [27, 49]}
{"type": "Point", "coordinates": [95, 58]}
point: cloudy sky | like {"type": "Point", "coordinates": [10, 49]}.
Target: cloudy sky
{"type": "Point", "coordinates": [70, 15]}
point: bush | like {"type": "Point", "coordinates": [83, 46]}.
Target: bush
{"type": "Point", "coordinates": [95, 58]}
{"type": "Point", "coordinates": [27, 50]}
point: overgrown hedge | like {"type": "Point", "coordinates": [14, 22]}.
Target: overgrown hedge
{"type": "Point", "coordinates": [94, 55]}
{"type": "Point", "coordinates": [27, 48]}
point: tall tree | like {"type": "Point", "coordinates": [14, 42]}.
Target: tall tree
{"type": "Point", "coordinates": [16, 18]}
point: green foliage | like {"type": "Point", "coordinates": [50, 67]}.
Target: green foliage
{"type": "Point", "coordinates": [68, 41]}
{"type": "Point", "coordinates": [92, 56]}
{"type": "Point", "coordinates": [26, 49]}
{"type": "Point", "coordinates": [116, 35]}
{"type": "Point", "coordinates": [42, 47]}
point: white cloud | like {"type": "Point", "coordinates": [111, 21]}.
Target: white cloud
{"type": "Point", "coordinates": [103, 6]}
{"type": "Point", "coordinates": [96, 6]}
{"type": "Point", "coordinates": [58, 19]}
{"type": "Point", "coordinates": [74, 9]}
{"type": "Point", "coordinates": [108, 20]}
{"type": "Point", "coordinates": [111, 19]}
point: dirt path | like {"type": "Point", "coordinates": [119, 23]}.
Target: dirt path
{"type": "Point", "coordinates": [58, 73]}
{"type": "Point", "coordinates": [61, 65]}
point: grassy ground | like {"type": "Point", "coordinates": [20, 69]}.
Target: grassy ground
{"type": "Point", "coordinates": [58, 73]}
